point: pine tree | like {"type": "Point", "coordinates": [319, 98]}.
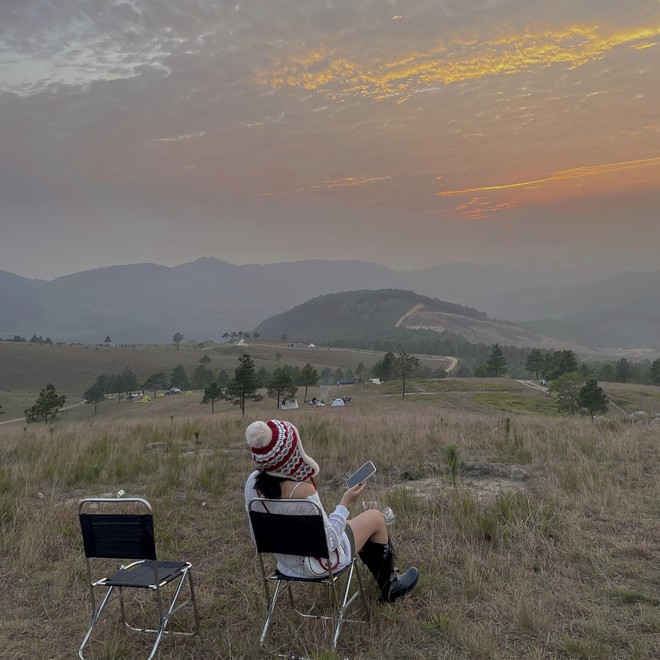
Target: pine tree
{"type": "Point", "coordinates": [179, 378]}
{"type": "Point", "coordinates": [654, 372]}
{"type": "Point", "coordinates": [535, 362]}
{"type": "Point", "coordinates": [404, 366]}
{"type": "Point", "coordinates": [212, 394]}
{"type": "Point", "coordinates": [309, 377]}
{"type": "Point", "coordinates": [46, 406]}
{"type": "Point", "coordinates": [281, 386]}
{"type": "Point", "coordinates": [496, 363]}
{"type": "Point", "coordinates": [244, 384]}
{"type": "Point", "coordinates": [593, 398]}
{"type": "Point", "coordinates": [94, 395]}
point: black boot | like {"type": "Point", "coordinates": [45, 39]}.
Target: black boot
{"type": "Point", "coordinates": [379, 559]}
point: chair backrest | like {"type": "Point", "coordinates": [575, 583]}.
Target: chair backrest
{"type": "Point", "coordinates": [288, 534]}
{"type": "Point", "coordinates": [117, 535]}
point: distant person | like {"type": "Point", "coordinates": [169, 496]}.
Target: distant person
{"type": "Point", "coordinates": [284, 472]}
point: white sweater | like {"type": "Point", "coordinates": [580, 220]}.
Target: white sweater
{"type": "Point", "coordinates": [335, 526]}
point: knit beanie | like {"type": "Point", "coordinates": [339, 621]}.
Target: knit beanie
{"type": "Point", "coordinates": [278, 451]}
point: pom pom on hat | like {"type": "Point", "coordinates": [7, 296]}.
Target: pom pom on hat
{"type": "Point", "coordinates": [258, 435]}
{"type": "Point", "coordinates": [278, 451]}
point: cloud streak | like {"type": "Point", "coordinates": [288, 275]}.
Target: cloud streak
{"type": "Point", "coordinates": [453, 61]}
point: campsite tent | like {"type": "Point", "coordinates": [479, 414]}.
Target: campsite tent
{"type": "Point", "coordinates": [241, 342]}
{"type": "Point", "coordinates": [337, 403]}
{"type": "Point", "coordinates": [312, 345]}
{"type": "Point", "coordinates": [289, 404]}
{"type": "Point", "coordinates": [376, 381]}
{"type": "Point", "coordinates": [145, 399]}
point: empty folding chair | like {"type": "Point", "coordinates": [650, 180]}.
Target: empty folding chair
{"type": "Point", "coordinates": [301, 535]}
{"type": "Point", "coordinates": [110, 532]}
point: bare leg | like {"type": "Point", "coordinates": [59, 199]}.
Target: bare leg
{"type": "Point", "coordinates": [368, 526]}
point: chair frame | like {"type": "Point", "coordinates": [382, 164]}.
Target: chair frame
{"type": "Point", "coordinates": [311, 529]}
{"type": "Point", "coordinates": [138, 544]}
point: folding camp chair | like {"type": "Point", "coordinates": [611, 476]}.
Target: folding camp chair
{"type": "Point", "coordinates": [110, 532]}
{"type": "Point", "coordinates": [302, 535]}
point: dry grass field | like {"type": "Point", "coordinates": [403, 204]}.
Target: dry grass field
{"type": "Point", "coordinates": [72, 368]}
{"type": "Point", "coordinates": [562, 564]}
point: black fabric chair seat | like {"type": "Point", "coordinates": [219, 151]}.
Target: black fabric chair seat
{"type": "Point", "coordinates": [142, 575]}
{"type": "Point", "coordinates": [276, 575]}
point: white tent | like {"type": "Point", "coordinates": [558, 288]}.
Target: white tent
{"type": "Point", "coordinates": [337, 403]}
{"type": "Point", "coordinates": [289, 404]}
{"type": "Point", "coordinates": [376, 381]}
{"type": "Point", "coordinates": [241, 342]}
{"type": "Point", "coordinates": [312, 345]}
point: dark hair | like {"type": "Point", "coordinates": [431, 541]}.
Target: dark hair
{"type": "Point", "coordinates": [268, 486]}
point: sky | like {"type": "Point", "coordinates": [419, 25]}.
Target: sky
{"type": "Point", "coordinates": [407, 133]}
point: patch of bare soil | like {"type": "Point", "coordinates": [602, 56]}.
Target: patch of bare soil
{"type": "Point", "coordinates": [484, 481]}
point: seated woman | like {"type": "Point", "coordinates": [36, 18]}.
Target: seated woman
{"type": "Point", "coordinates": [286, 472]}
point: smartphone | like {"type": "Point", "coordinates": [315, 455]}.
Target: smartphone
{"type": "Point", "coordinates": [361, 474]}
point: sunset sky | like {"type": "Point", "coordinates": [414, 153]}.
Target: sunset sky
{"type": "Point", "coordinates": [408, 133]}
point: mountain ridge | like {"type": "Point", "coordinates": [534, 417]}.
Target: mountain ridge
{"type": "Point", "coordinates": [202, 299]}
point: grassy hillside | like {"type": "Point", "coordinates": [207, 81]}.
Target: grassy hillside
{"type": "Point", "coordinates": [353, 314]}
{"type": "Point", "coordinates": [562, 564]}
{"type": "Point", "coordinates": [393, 314]}
{"type": "Point", "coordinates": [26, 368]}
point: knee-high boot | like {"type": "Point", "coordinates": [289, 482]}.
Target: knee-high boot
{"type": "Point", "coordinates": [379, 559]}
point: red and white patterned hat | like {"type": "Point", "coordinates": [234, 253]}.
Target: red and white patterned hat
{"type": "Point", "coordinates": [277, 450]}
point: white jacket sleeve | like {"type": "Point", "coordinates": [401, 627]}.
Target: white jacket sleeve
{"type": "Point", "coordinates": [334, 524]}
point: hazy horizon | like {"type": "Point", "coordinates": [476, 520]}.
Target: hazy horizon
{"type": "Point", "coordinates": [407, 133]}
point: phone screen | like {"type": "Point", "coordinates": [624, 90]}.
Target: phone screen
{"type": "Point", "coordinates": [361, 474]}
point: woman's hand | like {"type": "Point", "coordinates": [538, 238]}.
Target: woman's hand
{"type": "Point", "coordinates": [352, 494]}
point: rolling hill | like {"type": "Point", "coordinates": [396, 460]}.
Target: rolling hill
{"type": "Point", "coordinates": [359, 314]}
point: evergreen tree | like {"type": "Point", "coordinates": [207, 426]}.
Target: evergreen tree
{"type": "Point", "coordinates": [405, 366]}
{"type": "Point", "coordinates": [155, 382]}
{"type": "Point", "coordinates": [326, 375]}
{"type": "Point", "coordinates": [496, 363]}
{"type": "Point", "coordinates": [566, 390]}
{"type": "Point", "coordinates": [281, 386]}
{"type": "Point", "coordinates": [385, 368]}
{"type": "Point", "coordinates": [222, 378]}
{"type": "Point", "coordinates": [46, 406]}
{"type": "Point", "coordinates": [535, 362]}
{"type": "Point", "coordinates": [244, 384]}
{"type": "Point", "coordinates": [309, 377]}
{"type": "Point", "coordinates": [622, 370]}
{"type": "Point", "coordinates": [127, 381]}
{"type": "Point", "coordinates": [558, 363]}
{"type": "Point", "coordinates": [212, 394]}
{"type": "Point", "coordinates": [201, 376]}
{"type": "Point", "coordinates": [654, 372]}
{"type": "Point", "coordinates": [94, 395]}
{"type": "Point", "coordinates": [593, 398]}
{"type": "Point", "coordinates": [360, 370]}
{"type": "Point", "coordinates": [179, 378]}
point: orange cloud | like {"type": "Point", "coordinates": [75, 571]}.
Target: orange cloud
{"type": "Point", "coordinates": [456, 61]}
{"type": "Point", "coordinates": [562, 175]}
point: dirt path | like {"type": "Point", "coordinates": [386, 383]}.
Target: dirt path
{"type": "Point", "coordinates": [413, 310]}
{"type": "Point", "coordinates": [22, 419]}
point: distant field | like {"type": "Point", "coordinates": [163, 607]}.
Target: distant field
{"type": "Point", "coordinates": [73, 368]}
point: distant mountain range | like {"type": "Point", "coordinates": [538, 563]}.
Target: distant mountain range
{"type": "Point", "coordinates": [205, 298]}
